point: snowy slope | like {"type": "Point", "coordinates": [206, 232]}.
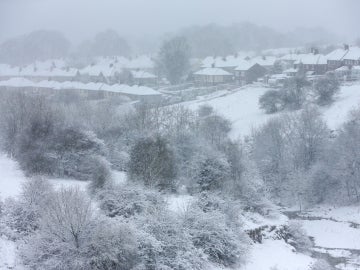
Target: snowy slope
{"type": "Point", "coordinates": [241, 107]}
{"type": "Point", "coordinates": [348, 99]}
{"type": "Point", "coordinates": [11, 177]}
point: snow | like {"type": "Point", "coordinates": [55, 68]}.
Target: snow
{"type": "Point", "coordinates": [344, 213]}
{"type": "Point", "coordinates": [213, 71]}
{"type": "Point", "coordinates": [244, 65]}
{"type": "Point", "coordinates": [119, 177]}
{"type": "Point", "coordinates": [332, 234]}
{"type": "Point", "coordinates": [59, 183]}
{"type": "Point", "coordinates": [140, 74]}
{"type": "Point", "coordinates": [116, 88]}
{"type": "Point", "coordinates": [240, 107]}
{"type": "Point", "coordinates": [8, 258]}
{"type": "Point", "coordinates": [312, 59]}
{"type": "Point", "coordinates": [276, 253]}
{"type": "Point", "coordinates": [353, 54]}
{"type": "Point", "coordinates": [179, 203]}
{"type": "Point", "coordinates": [11, 178]}
{"type": "Point", "coordinates": [336, 55]}
{"type": "Point", "coordinates": [348, 99]}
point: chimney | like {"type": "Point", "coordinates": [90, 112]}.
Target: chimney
{"type": "Point", "coordinates": [213, 65]}
{"type": "Point", "coordinates": [346, 47]}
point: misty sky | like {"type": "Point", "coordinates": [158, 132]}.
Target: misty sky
{"type": "Point", "coordinates": [80, 19]}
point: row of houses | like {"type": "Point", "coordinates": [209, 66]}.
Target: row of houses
{"type": "Point", "coordinates": [344, 62]}
{"type": "Point", "coordinates": [105, 69]}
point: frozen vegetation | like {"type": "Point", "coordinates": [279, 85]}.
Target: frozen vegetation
{"type": "Point", "coordinates": [215, 146]}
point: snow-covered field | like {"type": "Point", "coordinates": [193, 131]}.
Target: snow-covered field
{"type": "Point", "coordinates": [276, 254]}
{"type": "Point", "coordinates": [241, 107]}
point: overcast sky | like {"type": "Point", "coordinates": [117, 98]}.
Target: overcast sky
{"type": "Point", "coordinates": [80, 19]}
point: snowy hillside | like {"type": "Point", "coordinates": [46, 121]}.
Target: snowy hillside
{"type": "Point", "coordinates": [242, 107]}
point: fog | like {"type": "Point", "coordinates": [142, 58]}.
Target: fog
{"type": "Point", "coordinates": [81, 19]}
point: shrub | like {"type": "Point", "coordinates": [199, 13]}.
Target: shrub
{"type": "Point", "coordinates": [326, 88]}
{"type": "Point", "coordinates": [271, 101]}
{"type": "Point", "coordinates": [71, 236]}
{"type": "Point", "coordinates": [298, 236]}
{"type": "Point", "coordinates": [223, 243]}
{"type": "Point", "coordinates": [152, 162]}
{"type": "Point", "coordinates": [129, 201]}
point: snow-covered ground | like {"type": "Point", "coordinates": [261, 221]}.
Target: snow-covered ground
{"type": "Point", "coordinates": [348, 99]}
{"type": "Point", "coordinates": [241, 107]}
{"type": "Point", "coordinates": [11, 177]}
{"type": "Point", "coordinates": [276, 254]}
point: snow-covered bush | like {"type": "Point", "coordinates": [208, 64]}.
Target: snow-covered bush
{"type": "Point", "coordinates": [326, 88]}
{"type": "Point", "coordinates": [321, 265]}
{"type": "Point", "coordinates": [101, 175]}
{"type": "Point", "coordinates": [271, 101]}
{"type": "Point", "coordinates": [72, 236]}
{"type": "Point", "coordinates": [213, 172]}
{"type": "Point", "coordinates": [152, 162]}
{"type": "Point", "coordinates": [22, 216]}
{"type": "Point", "coordinates": [298, 237]}
{"type": "Point", "coordinates": [129, 201]}
{"type": "Point", "coordinates": [166, 243]}
{"type": "Point", "coordinates": [211, 232]}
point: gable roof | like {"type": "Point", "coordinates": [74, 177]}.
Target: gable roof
{"type": "Point", "coordinates": [213, 71]}
{"type": "Point", "coordinates": [312, 59]}
{"type": "Point", "coordinates": [353, 54]}
{"type": "Point", "coordinates": [336, 55]}
{"type": "Point", "coordinates": [244, 65]}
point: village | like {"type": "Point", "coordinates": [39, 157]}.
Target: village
{"type": "Point", "coordinates": [138, 77]}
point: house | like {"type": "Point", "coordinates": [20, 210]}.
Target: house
{"type": "Point", "coordinates": [336, 57]}
{"type": "Point", "coordinates": [312, 63]}
{"type": "Point", "coordinates": [247, 72]}
{"type": "Point", "coordinates": [212, 76]}
{"type": "Point", "coordinates": [141, 77]}
{"type": "Point", "coordinates": [352, 57]}
{"type": "Point", "coordinates": [265, 61]}
{"type": "Point", "coordinates": [291, 72]}
{"type": "Point", "coordinates": [348, 73]}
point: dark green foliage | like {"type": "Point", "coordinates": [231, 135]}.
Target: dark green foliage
{"type": "Point", "coordinates": [326, 88]}
{"type": "Point", "coordinates": [213, 173]}
{"type": "Point", "coordinates": [271, 101]}
{"type": "Point", "coordinates": [152, 162]}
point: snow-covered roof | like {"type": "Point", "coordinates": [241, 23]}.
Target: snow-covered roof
{"type": "Point", "coordinates": [312, 59]}
{"type": "Point", "coordinates": [336, 55]}
{"type": "Point", "coordinates": [343, 68]}
{"type": "Point", "coordinates": [140, 74]}
{"type": "Point", "coordinates": [290, 70]}
{"type": "Point", "coordinates": [117, 88]}
{"type": "Point", "coordinates": [353, 54]}
{"type": "Point", "coordinates": [244, 65]}
{"type": "Point", "coordinates": [292, 57]}
{"type": "Point", "coordinates": [213, 71]}
{"type": "Point", "coordinates": [264, 61]}
{"type": "Point", "coordinates": [36, 69]}
{"type": "Point", "coordinates": [356, 68]}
